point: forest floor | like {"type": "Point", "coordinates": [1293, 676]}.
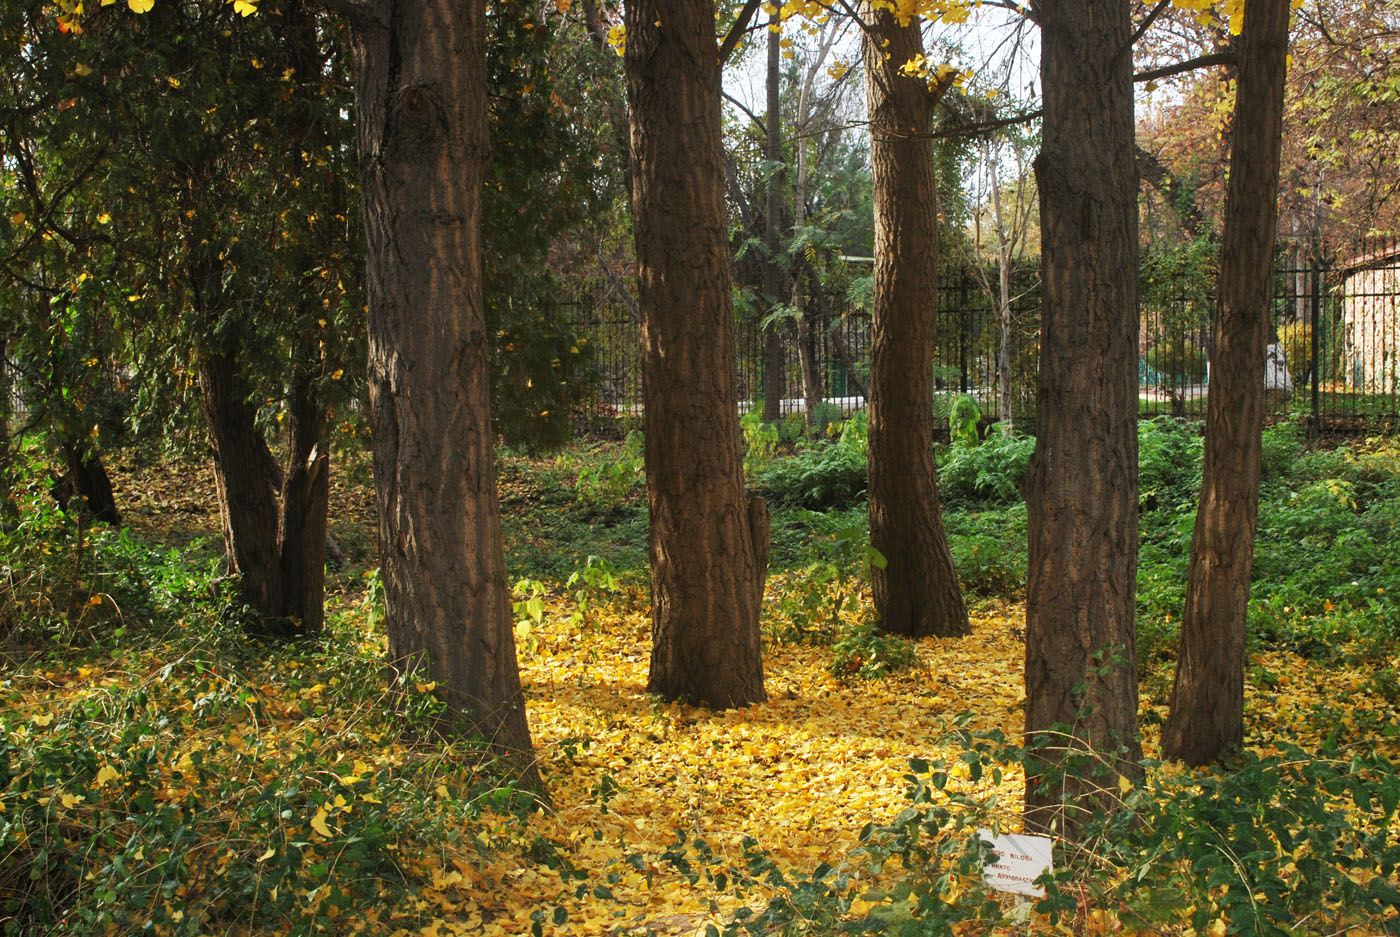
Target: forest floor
{"type": "Point", "coordinates": [665, 818]}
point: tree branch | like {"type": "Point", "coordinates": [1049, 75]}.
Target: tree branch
{"type": "Point", "coordinates": [736, 32]}
{"type": "Point", "coordinates": [758, 122]}
{"type": "Point", "coordinates": [1148, 21]}
{"type": "Point", "coordinates": [1200, 61]}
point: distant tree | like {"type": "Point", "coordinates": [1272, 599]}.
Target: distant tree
{"type": "Point", "coordinates": [1081, 487]}
{"type": "Point", "coordinates": [546, 165]}
{"type": "Point", "coordinates": [916, 589]}
{"type": "Point", "coordinates": [1007, 202]}
{"type": "Point", "coordinates": [775, 170]}
{"type": "Point", "coordinates": [708, 546]}
{"type": "Point", "coordinates": [1206, 721]}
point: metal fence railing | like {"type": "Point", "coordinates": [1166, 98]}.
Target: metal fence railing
{"type": "Point", "coordinates": [1335, 355]}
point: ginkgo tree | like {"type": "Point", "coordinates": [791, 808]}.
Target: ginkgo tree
{"type": "Point", "coordinates": [232, 229]}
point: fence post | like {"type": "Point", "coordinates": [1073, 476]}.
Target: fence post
{"type": "Point", "coordinates": [1315, 429]}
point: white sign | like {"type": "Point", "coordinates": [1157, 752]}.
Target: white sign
{"type": "Point", "coordinates": [1021, 859]}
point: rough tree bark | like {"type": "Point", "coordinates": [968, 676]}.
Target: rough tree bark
{"type": "Point", "coordinates": [709, 548]}
{"type": "Point", "coordinates": [420, 98]}
{"type": "Point", "coordinates": [304, 504]}
{"type": "Point", "coordinates": [1206, 720]}
{"type": "Point", "coordinates": [916, 593]}
{"type": "Point", "coordinates": [1081, 489]}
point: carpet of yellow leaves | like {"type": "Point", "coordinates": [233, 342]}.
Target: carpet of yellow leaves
{"type": "Point", "coordinates": [801, 774]}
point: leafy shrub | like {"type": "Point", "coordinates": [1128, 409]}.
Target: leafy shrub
{"type": "Point", "coordinates": [64, 579]}
{"type": "Point", "coordinates": [816, 602]}
{"type": "Point", "coordinates": [963, 419]}
{"type": "Point", "coordinates": [164, 803]}
{"type": "Point", "coordinates": [604, 485]}
{"type": "Point", "coordinates": [760, 442]}
{"type": "Point", "coordinates": [991, 470]}
{"type": "Point", "coordinates": [1296, 338]}
{"type": "Point", "coordinates": [989, 550]}
{"type": "Point", "coordinates": [866, 654]}
{"type": "Point", "coordinates": [1282, 446]}
{"type": "Point", "coordinates": [1169, 463]}
{"type": "Point", "coordinates": [823, 475]}
{"type": "Point", "coordinates": [824, 417]}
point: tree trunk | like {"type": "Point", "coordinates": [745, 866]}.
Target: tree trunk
{"type": "Point", "coordinates": [807, 353]}
{"type": "Point", "coordinates": [1004, 399]}
{"type": "Point", "coordinates": [86, 478]}
{"type": "Point", "coordinates": [807, 358]}
{"type": "Point", "coordinates": [774, 354]}
{"type": "Point", "coordinates": [9, 511]}
{"type": "Point", "coordinates": [301, 525]}
{"type": "Point", "coordinates": [1081, 489]}
{"type": "Point", "coordinates": [247, 480]}
{"type": "Point", "coordinates": [1207, 702]}
{"type": "Point", "coordinates": [420, 94]}
{"type": "Point", "coordinates": [708, 547]}
{"type": "Point", "coordinates": [916, 593]}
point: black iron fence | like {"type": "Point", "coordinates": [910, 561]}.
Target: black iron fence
{"type": "Point", "coordinates": [1335, 356]}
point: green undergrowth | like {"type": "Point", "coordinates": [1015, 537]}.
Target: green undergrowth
{"type": "Point", "coordinates": [197, 783]}
{"type": "Point", "coordinates": [160, 772]}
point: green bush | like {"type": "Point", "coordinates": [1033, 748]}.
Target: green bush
{"type": "Point", "coordinates": [164, 804]}
{"type": "Point", "coordinates": [989, 550]}
{"type": "Point", "coordinates": [1169, 464]}
{"type": "Point", "coordinates": [812, 604]}
{"type": "Point", "coordinates": [760, 442]}
{"type": "Point", "coordinates": [67, 580]}
{"type": "Point", "coordinates": [1296, 338]}
{"type": "Point", "coordinates": [991, 470]}
{"type": "Point", "coordinates": [824, 475]}
{"type": "Point", "coordinates": [863, 653]}
{"type": "Point", "coordinates": [1282, 446]}
{"type": "Point", "coordinates": [964, 417]}
{"type": "Point", "coordinates": [604, 485]}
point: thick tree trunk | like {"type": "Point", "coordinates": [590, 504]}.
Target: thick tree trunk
{"type": "Point", "coordinates": [708, 547]}
{"type": "Point", "coordinates": [774, 354]}
{"type": "Point", "coordinates": [1081, 489]}
{"type": "Point", "coordinates": [1207, 702]}
{"type": "Point", "coordinates": [247, 480]}
{"type": "Point", "coordinates": [274, 522]}
{"type": "Point", "coordinates": [916, 593]}
{"type": "Point", "coordinates": [420, 94]}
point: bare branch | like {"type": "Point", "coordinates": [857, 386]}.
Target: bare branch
{"type": "Point", "coordinates": [1200, 61]}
